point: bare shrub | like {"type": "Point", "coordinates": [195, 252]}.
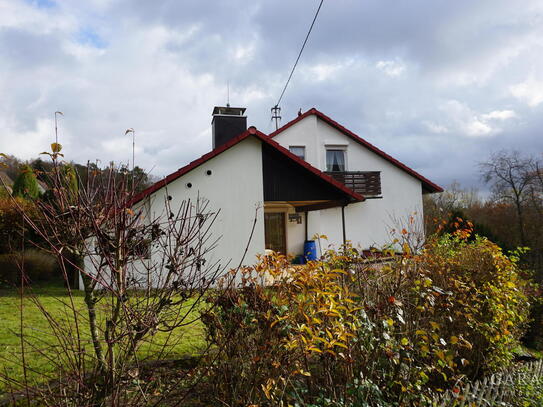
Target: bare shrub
{"type": "Point", "coordinates": [142, 276]}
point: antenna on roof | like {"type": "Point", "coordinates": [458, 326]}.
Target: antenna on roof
{"type": "Point", "coordinates": [276, 115]}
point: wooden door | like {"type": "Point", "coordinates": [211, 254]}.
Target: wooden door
{"type": "Point", "coordinates": [275, 233]}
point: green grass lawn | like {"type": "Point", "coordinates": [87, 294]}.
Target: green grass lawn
{"type": "Point", "coordinates": [42, 348]}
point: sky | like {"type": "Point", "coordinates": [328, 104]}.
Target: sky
{"type": "Point", "coordinates": [437, 84]}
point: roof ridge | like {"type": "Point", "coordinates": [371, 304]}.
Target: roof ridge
{"type": "Point", "coordinates": [432, 187]}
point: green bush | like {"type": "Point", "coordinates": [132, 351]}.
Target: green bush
{"type": "Point", "coordinates": [38, 267]}
{"type": "Point", "coordinates": [489, 305]}
{"type": "Point", "coordinates": [339, 332]}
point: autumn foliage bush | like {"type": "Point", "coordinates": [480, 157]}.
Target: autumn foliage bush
{"type": "Point", "coordinates": [342, 332]}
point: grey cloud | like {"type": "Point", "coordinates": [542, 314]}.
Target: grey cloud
{"type": "Point", "coordinates": [161, 66]}
{"type": "Point", "coordinates": [26, 51]}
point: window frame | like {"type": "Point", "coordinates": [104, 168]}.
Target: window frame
{"type": "Point", "coordinates": [341, 148]}
{"type": "Point", "coordinates": [298, 146]}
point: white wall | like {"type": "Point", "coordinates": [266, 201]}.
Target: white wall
{"type": "Point", "coordinates": [367, 223]}
{"type": "Point", "coordinates": [295, 234]}
{"type": "Point", "coordinates": [235, 188]}
{"type": "Point", "coordinates": [303, 133]}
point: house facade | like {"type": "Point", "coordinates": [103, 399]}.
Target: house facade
{"type": "Point", "coordinates": [312, 176]}
{"type": "Point", "coordinates": [392, 190]}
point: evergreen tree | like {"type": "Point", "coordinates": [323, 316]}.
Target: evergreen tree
{"type": "Point", "coordinates": [26, 184]}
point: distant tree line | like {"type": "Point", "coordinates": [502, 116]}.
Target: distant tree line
{"type": "Point", "coordinates": [26, 184]}
{"type": "Point", "coordinates": [15, 169]}
{"type": "Point", "coordinates": [511, 215]}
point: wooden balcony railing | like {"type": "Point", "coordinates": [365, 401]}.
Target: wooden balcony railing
{"type": "Point", "coordinates": [367, 183]}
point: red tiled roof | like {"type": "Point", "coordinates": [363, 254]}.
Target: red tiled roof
{"type": "Point", "coordinates": [426, 183]}
{"type": "Point", "coordinates": [252, 131]}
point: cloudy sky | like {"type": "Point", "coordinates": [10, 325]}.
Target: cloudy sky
{"type": "Point", "coordinates": [438, 84]}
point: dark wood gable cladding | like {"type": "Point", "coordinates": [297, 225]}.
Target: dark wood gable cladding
{"type": "Point", "coordinates": [287, 181]}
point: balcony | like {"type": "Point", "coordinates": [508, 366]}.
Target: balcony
{"type": "Point", "coordinates": [366, 183]}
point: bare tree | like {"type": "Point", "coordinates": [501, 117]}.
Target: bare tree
{"type": "Point", "coordinates": [140, 274]}
{"type": "Point", "coordinates": [440, 207]}
{"type": "Point", "coordinates": [536, 187]}
{"type": "Point", "coordinates": [536, 206]}
{"type": "Point", "coordinates": [510, 176]}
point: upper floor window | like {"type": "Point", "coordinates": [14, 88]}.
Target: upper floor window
{"type": "Point", "coordinates": [335, 160]}
{"type": "Point", "coordinates": [298, 151]}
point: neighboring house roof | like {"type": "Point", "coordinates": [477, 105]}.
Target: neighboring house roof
{"type": "Point", "coordinates": [426, 183]}
{"type": "Point", "coordinates": [251, 132]}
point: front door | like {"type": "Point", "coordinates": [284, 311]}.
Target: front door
{"type": "Point", "coordinates": [274, 230]}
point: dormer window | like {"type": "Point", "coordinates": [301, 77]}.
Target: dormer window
{"type": "Point", "coordinates": [298, 151]}
{"type": "Point", "coordinates": [335, 160]}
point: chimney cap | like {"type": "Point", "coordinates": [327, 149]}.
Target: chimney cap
{"type": "Point", "coordinates": [228, 111]}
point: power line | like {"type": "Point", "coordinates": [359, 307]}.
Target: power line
{"type": "Point", "coordinates": [300, 54]}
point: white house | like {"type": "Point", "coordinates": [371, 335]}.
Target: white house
{"type": "Point", "coordinates": [392, 190]}
{"type": "Point", "coordinates": [311, 176]}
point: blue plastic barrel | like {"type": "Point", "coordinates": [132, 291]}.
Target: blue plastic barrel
{"type": "Point", "coordinates": [310, 250]}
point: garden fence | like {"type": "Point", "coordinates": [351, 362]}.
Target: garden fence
{"type": "Point", "coordinates": [496, 390]}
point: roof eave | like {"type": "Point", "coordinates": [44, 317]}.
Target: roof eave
{"type": "Point", "coordinates": [426, 183]}
{"type": "Point", "coordinates": [251, 131]}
